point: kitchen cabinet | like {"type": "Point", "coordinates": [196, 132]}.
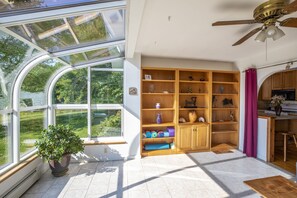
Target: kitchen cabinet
{"type": "Point", "coordinates": [277, 81]}
{"type": "Point", "coordinates": [266, 89]}
{"type": "Point", "coordinates": [289, 80]}
{"type": "Point", "coordinates": [193, 137]}
{"type": "Point", "coordinates": [284, 80]}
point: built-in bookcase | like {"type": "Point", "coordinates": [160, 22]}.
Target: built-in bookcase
{"type": "Point", "coordinates": [216, 96]}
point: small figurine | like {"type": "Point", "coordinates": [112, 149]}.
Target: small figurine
{"type": "Point", "coordinates": [190, 90]}
{"type": "Point", "coordinates": [192, 103]}
{"type": "Point", "coordinates": [181, 120]}
{"type": "Point", "coordinates": [221, 89]}
{"type": "Point", "coordinates": [227, 101]}
{"type": "Point", "coordinates": [231, 116]}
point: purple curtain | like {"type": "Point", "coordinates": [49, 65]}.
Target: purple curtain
{"type": "Point", "coordinates": [251, 114]}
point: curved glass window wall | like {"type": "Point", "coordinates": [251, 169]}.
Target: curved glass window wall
{"type": "Point", "coordinates": [35, 52]}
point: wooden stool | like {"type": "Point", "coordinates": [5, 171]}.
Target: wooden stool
{"type": "Point", "coordinates": [285, 134]}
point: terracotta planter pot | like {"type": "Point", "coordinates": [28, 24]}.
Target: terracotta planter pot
{"type": "Point", "coordinates": [60, 168]}
{"type": "Point", "coordinates": [192, 116]}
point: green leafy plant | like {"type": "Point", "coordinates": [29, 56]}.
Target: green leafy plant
{"type": "Point", "coordinates": [57, 141]}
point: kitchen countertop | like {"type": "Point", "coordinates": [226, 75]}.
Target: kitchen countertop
{"type": "Point", "coordinates": [283, 116]}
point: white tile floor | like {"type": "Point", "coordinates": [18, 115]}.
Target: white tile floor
{"type": "Point", "coordinates": [194, 175]}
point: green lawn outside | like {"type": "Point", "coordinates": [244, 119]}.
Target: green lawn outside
{"type": "Point", "coordinates": [32, 124]}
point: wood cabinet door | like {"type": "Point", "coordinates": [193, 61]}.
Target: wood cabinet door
{"type": "Point", "coordinates": [266, 89]}
{"type": "Point", "coordinates": [289, 80]}
{"type": "Point", "coordinates": [277, 81]}
{"type": "Point", "coordinates": [185, 137]}
{"type": "Point", "coordinates": [200, 137]}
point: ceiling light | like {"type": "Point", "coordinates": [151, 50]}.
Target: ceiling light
{"type": "Point", "coordinates": [261, 37]}
{"type": "Point", "coordinates": [270, 31]}
{"type": "Point", "coordinates": [279, 33]}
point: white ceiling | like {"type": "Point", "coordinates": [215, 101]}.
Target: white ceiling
{"type": "Point", "coordinates": [182, 29]}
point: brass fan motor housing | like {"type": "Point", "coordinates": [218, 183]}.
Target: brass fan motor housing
{"type": "Point", "coordinates": [269, 12]}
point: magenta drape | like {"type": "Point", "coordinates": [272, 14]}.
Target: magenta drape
{"type": "Point", "coordinates": [251, 114]}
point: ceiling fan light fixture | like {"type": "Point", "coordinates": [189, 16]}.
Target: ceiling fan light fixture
{"type": "Point", "coordinates": [261, 37]}
{"type": "Point", "coordinates": [279, 33]}
{"type": "Point", "coordinates": [271, 31]}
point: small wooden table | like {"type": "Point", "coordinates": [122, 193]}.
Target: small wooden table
{"type": "Point", "coordinates": [276, 186]}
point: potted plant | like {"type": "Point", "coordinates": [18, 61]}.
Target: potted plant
{"type": "Point", "coordinates": [276, 102]}
{"type": "Point", "coordinates": [56, 145]}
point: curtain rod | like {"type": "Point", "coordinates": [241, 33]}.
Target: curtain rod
{"type": "Point", "coordinates": [274, 65]}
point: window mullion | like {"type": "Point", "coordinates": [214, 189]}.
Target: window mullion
{"type": "Point", "coordinates": [89, 104]}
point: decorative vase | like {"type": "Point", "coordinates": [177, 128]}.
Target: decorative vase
{"type": "Point", "coordinates": [278, 110]}
{"type": "Point", "coordinates": [159, 118]}
{"type": "Point", "coordinates": [192, 116]}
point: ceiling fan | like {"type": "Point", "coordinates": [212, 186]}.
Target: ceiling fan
{"type": "Point", "coordinates": [268, 14]}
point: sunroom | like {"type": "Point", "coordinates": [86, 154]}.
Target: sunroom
{"type": "Point", "coordinates": [127, 77]}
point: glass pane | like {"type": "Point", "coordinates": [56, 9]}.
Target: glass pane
{"type": "Point", "coordinates": [106, 87]}
{"type": "Point", "coordinates": [31, 4]}
{"type": "Point", "coordinates": [89, 27]}
{"type": "Point", "coordinates": [5, 140]}
{"type": "Point", "coordinates": [65, 33]}
{"type": "Point", "coordinates": [95, 55]}
{"type": "Point", "coordinates": [51, 35]}
{"type": "Point", "coordinates": [106, 123]}
{"type": "Point", "coordinates": [113, 65]}
{"type": "Point", "coordinates": [13, 55]}
{"type": "Point", "coordinates": [98, 26]}
{"type": "Point", "coordinates": [76, 119]}
{"type": "Point", "coordinates": [31, 125]}
{"type": "Point", "coordinates": [33, 87]}
{"type": "Point", "coordinates": [72, 88]}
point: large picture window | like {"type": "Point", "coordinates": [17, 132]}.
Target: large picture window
{"type": "Point", "coordinates": [105, 98]}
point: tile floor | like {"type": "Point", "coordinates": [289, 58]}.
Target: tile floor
{"type": "Point", "coordinates": [194, 175]}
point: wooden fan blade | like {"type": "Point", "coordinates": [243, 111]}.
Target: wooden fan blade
{"type": "Point", "coordinates": [292, 7]}
{"type": "Point", "coordinates": [237, 22]}
{"type": "Point", "coordinates": [247, 36]}
{"type": "Point", "coordinates": [290, 22]}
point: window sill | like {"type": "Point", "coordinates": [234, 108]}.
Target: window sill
{"type": "Point", "coordinates": [105, 141]}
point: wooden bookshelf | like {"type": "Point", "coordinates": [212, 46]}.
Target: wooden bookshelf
{"type": "Point", "coordinates": [217, 101]}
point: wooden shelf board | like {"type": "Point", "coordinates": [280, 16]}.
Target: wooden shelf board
{"type": "Point", "coordinates": [193, 94]}
{"type": "Point", "coordinates": [157, 152]}
{"type": "Point", "coordinates": [222, 82]}
{"type": "Point", "coordinates": [189, 109]}
{"type": "Point", "coordinates": [195, 123]}
{"type": "Point", "coordinates": [162, 94]}
{"type": "Point", "coordinates": [161, 109]}
{"type": "Point", "coordinates": [193, 81]}
{"type": "Point", "coordinates": [154, 139]}
{"type": "Point", "coordinates": [223, 132]}
{"type": "Point", "coordinates": [166, 81]}
{"type": "Point", "coordinates": [159, 125]}
{"type": "Point", "coordinates": [224, 94]}
{"type": "Point", "coordinates": [224, 145]}
{"type": "Point", "coordinates": [225, 122]}
{"type": "Point", "coordinates": [224, 108]}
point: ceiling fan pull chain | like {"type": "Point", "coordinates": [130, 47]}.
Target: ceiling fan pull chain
{"type": "Point", "coordinates": [266, 49]}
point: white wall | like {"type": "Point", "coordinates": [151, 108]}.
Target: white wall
{"type": "Point", "coordinates": [186, 63]}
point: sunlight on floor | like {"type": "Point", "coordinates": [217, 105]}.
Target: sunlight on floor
{"type": "Point", "coordinates": [194, 175]}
